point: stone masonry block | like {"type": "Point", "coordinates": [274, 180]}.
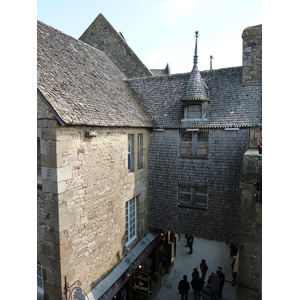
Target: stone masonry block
{"type": "Point", "coordinates": [61, 174]}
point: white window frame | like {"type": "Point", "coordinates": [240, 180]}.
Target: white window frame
{"type": "Point", "coordinates": [130, 152]}
{"type": "Point", "coordinates": [40, 288]}
{"type": "Point", "coordinates": [130, 221]}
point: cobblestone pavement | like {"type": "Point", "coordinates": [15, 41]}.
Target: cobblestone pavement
{"type": "Point", "coordinates": [216, 254]}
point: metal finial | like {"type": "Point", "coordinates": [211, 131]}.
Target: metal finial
{"type": "Point", "coordinates": [196, 54]}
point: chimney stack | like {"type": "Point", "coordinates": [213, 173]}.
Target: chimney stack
{"type": "Point", "coordinates": [252, 55]}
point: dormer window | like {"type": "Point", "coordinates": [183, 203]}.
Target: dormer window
{"type": "Point", "coordinates": [196, 94]}
{"type": "Point", "coordinates": [193, 112]}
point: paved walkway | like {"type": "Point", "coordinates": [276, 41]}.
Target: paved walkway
{"type": "Point", "coordinates": [216, 254]}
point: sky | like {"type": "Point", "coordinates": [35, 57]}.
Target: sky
{"type": "Point", "coordinates": [163, 31]}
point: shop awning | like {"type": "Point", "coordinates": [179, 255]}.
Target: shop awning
{"type": "Point", "coordinates": [112, 283]}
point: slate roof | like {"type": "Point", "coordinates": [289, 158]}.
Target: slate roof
{"type": "Point", "coordinates": [160, 97]}
{"type": "Point", "coordinates": [196, 88]}
{"type": "Point", "coordinates": [82, 84]}
{"type": "Point", "coordinates": [102, 35]}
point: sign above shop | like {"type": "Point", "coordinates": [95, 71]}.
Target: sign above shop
{"type": "Point", "coordinates": [141, 283]}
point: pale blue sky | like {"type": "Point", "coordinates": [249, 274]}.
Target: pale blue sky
{"type": "Point", "coordinates": [162, 31]}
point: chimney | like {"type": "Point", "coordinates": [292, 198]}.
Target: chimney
{"type": "Point", "coordinates": [252, 55]}
{"type": "Point", "coordinates": [211, 58]}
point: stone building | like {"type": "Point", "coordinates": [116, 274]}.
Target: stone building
{"type": "Point", "coordinates": [113, 136]}
{"type": "Point", "coordinates": [93, 140]}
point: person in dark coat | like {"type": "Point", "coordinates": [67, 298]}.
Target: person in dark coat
{"type": "Point", "coordinates": [222, 281]}
{"type": "Point", "coordinates": [190, 241]}
{"type": "Point", "coordinates": [198, 288]}
{"type": "Point", "coordinates": [183, 287]}
{"type": "Point", "coordinates": [195, 273]}
{"type": "Point", "coordinates": [195, 277]}
{"type": "Point", "coordinates": [233, 250]}
{"type": "Point", "coordinates": [203, 268]}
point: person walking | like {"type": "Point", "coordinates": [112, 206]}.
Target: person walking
{"type": "Point", "coordinates": [190, 241]}
{"type": "Point", "coordinates": [222, 281]}
{"type": "Point", "coordinates": [195, 277]}
{"type": "Point", "coordinates": [183, 287]}
{"type": "Point", "coordinates": [203, 268]}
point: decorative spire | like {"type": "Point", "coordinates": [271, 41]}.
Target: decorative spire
{"type": "Point", "coordinates": [195, 89]}
{"type": "Point", "coordinates": [196, 53]}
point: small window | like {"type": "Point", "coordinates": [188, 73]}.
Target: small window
{"type": "Point", "coordinates": [194, 112]}
{"type": "Point", "coordinates": [40, 285]}
{"type": "Point", "coordinates": [130, 227]}
{"type": "Point", "coordinates": [202, 143]}
{"type": "Point", "coordinates": [39, 168]}
{"type": "Point", "coordinates": [186, 143]}
{"type": "Point", "coordinates": [194, 144]}
{"type": "Point", "coordinates": [194, 195]}
{"type": "Point", "coordinates": [130, 152]}
{"type": "Point", "coordinates": [140, 144]}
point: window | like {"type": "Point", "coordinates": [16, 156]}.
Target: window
{"type": "Point", "coordinates": [194, 143]}
{"type": "Point", "coordinates": [193, 195]}
{"type": "Point", "coordinates": [39, 169]}
{"type": "Point", "coordinates": [194, 112]}
{"type": "Point", "coordinates": [40, 286]}
{"type": "Point", "coordinates": [130, 228]}
{"type": "Point", "coordinates": [202, 143]}
{"type": "Point", "coordinates": [139, 156]}
{"type": "Point", "coordinates": [130, 152]}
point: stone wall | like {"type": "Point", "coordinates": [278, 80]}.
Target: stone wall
{"type": "Point", "coordinates": [101, 35]}
{"type": "Point", "coordinates": [81, 207]}
{"type": "Point", "coordinates": [48, 251]}
{"type": "Point", "coordinates": [252, 55]}
{"type": "Point", "coordinates": [220, 172]}
{"type": "Point", "coordinates": [250, 247]}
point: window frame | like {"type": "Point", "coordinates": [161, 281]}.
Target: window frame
{"type": "Point", "coordinates": [130, 221]}
{"type": "Point", "coordinates": [196, 144]}
{"type": "Point", "coordinates": [40, 289]}
{"type": "Point", "coordinates": [39, 165]}
{"type": "Point", "coordinates": [193, 114]}
{"type": "Point", "coordinates": [193, 191]}
{"type": "Point", "coordinates": [139, 151]}
{"type": "Point", "coordinates": [130, 163]}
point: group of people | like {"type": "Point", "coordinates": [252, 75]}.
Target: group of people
{"type": "Point", "coordinates": [214, 286]}
{"type": "Point", "coordinates": [215, 283]}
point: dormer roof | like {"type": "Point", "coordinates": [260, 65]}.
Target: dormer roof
{"type": "Point", "coordinates": [196, 89]}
